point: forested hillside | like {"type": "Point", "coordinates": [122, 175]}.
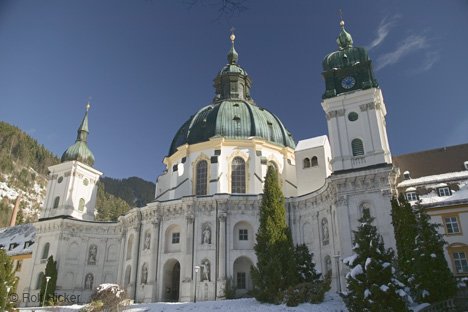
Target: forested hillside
{"type": "Point", "coordinates": [23, 171]}
{"type": "Point", "coordinates": [135, 191]}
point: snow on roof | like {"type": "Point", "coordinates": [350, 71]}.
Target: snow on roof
{"type": "Point", "coordinates": [457, 197]}
{"type": "Point", "coordinates": [18, 239]}
{"type": "Point", "coordinates": [438, 178]}
{"type": "Point", "coordinates": [311, 143]}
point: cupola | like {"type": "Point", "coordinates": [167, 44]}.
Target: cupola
{"type": "Point", "coordinates": [347, 69]}
{"type": "Point", "coordinates": [80, 150]}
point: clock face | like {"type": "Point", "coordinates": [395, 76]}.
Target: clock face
{"type": "Point", "coordinates": [348, 82]}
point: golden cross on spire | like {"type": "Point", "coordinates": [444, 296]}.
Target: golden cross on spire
{"type": "Point", "coordinates": [88, 105]}
{"type": "Point", "coordinates": [341, 18]}
{"type": "Point", "coordinates": [232, 37]}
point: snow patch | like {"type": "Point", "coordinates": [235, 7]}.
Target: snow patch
{"type": "Point", "coordinates": [357, 270]}
{"type": "Point", "coordinates": [367, 293]}
{"type": "Point", "coordinates": [350, 260]}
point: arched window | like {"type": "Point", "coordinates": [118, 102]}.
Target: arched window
{"type": "Point", "coordinates": [56, 202]}
{"type": "Point", "coordinates": [201, 178]}
{"type": "Point", "coordinates": [357, 147]}
{"type": "Point", "coordinates": [128, 274]}
{"type": "Point", "coordinates": [40, 277]}
{"type": "Point", "coordinates": [238, 175]}
{"type": "Point", "coordinates": [314, 161]}
{"type": "Point", "coordinates": [306, 162]}
{"type": "Point", "coordinates": [45, 251]}
{"type": "Point", "coordinates": [81, 204]}
{"type": "Point", "coordinates": [129, 247]}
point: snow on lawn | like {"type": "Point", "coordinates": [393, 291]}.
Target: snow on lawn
{"type": "Point", "coordinates": [332, 303]}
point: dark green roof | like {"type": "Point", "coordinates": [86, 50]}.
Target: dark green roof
{"type": "Point", "coordinates": [233, 113]}
{"type": "Point", "coordinates": [80, 150]}
{"type": "Point", "coordinates": [234, 120]}
{"type": "Point", "coordinates": [348, 61]}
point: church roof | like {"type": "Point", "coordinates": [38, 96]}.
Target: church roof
{"type": "Point", "coordinates": [80, 150]}
{"type": "Point", "coordinates": [311, 143]}
{"type": "Point", "coordinates": [233, 113]}
{"type": "Point", "coordinates": [18, 239]}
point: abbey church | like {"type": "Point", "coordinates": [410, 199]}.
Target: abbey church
{"type": "Point", "coordinates": [201, 226]}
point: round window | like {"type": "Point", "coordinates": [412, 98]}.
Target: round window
{"type": "Point", "coordinates": [60, 179]}
{"type": "Point", "coordinates": [85, 182]}
{"type": "Point", "coordinates": [353, 116]}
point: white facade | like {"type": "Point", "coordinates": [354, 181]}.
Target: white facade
{"type": "Point", "coordinates": [357, 116]}
{"type": "Point", "coordinates": [71, 191]}
{"type": "Point", "coordinates": [206, 209]}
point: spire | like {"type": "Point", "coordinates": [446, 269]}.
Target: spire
{"type": "Point", "coordinates": [83, 129]}
{"type": "Point", "coordinates": [80, 150]}
{"type": "Point", "coordinates": [344, 40]}
{"type": "Point", "coordinates": [232, 55]}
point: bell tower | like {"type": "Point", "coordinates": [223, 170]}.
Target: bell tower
{"type": "Point", "coordinates": [72, 186]}
{"type": "Point", "coordinates": [354, 108]}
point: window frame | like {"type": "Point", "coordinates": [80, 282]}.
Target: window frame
{"type": "Point", "coordinates": [56, 202]}
{"type": "Point", "coordinates": [413, 196]}
{"type": "Point", "coordinates": [314, 161]}
{"type": "Point", "coordinates": [175, 238]}
{"type": "Point", "coordinates": [243, 234]}
{"type": "Point", "coordinates": [464, 267]}
{"type": "Point", "coordinates": [238, 176]}
{"type": "Point", "coordinates": [306, 163]}
{"type": "Point", "coordinates": [446, 224]}
{"type": "Point", "coordinates": [444, 191]}
{"type": "Point", "coordinates": [357, 147]}
{"type": "Point", "coordinates": [241, 280]}
{"type": "Point", "coordinates": [199, 178]}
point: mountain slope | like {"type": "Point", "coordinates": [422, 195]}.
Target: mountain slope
{"type": "Point", "coordinates": [23, 171]}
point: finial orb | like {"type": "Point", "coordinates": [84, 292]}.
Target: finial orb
{"type": "Point", "coordinates": [88, 106]}
{"type": "Point", "coordinates": [342, 23]}
{"type": "Point", "coordinates": [232, 37]}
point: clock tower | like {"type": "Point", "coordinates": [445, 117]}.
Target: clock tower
{"type": "Point", "coordinates": [354, 108]}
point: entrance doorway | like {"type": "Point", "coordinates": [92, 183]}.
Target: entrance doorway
{"type": "Point", "coordinates": [171, 281]}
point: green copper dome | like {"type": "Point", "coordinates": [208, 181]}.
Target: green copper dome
{"type": "Point", "coordinates": [234, 120]}
{"type": "Point", "coordinates": [233, 113]}
{"type": "Point", "coordinates": [80, 150]}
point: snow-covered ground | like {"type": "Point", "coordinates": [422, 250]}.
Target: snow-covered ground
{"type": "Point", "coordinates": [332, 303]}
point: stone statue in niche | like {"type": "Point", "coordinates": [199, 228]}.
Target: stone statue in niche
{"type": "Point", "coordinates": [89, 280]}
{"type": "Point", "coordinates": [328, 264]}
{"type": "Point", "coordinates": [205, 270]}
{"type": "Point", "coordinates": [206, 235]}
{"type": "Point", "coordinates": [147, 243]}
{"type": "Point", "coordinates": [144, 274]}
{"type": "Point", "coordinates": [92, 254]}
{"type": "Point", "coordinates": [325, 232]}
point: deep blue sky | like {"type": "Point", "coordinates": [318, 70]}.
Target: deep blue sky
{"type": "Point", "coordinates": [148, 65]}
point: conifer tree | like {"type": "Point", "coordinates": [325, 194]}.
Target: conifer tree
{"type": "Point", "coordinates": [371, 283]}
{"type": "Point", "coordinates": [433, 280]}
{"type": "Point", "coordinates": [405, 230]}
{"type": "Point", "coordinates": [8, 281]}
{"type": "Point", "coordinates": [276, 267]}
{"type": "Point", "coordinates": [305, 266]}
{"type": "Point", "coordinates": [51, 271]}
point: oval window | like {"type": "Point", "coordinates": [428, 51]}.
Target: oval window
{"type": "Point", "coordinates": [353, 116]}
{"type": "Point", "coordinates": [60, 179]}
